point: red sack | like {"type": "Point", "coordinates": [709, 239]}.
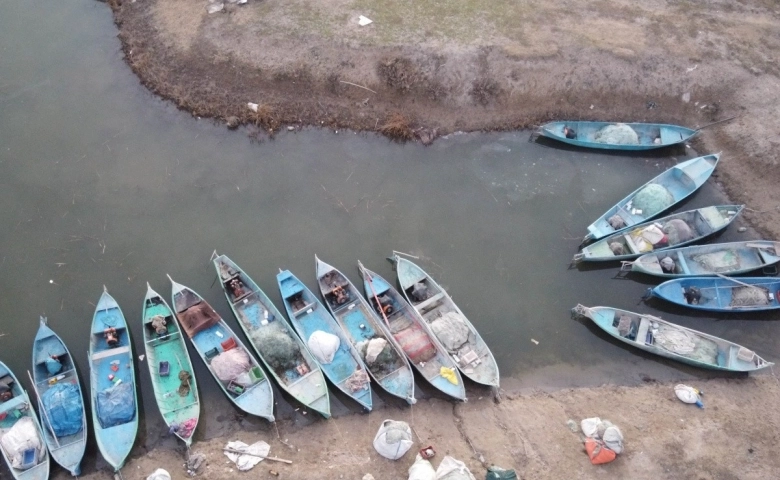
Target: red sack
{"type": "Point", "coordinates": [598, 452]}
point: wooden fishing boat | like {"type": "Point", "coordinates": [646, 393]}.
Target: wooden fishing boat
{"type": "Point", "coordinates": [113, 388]}
{"type": "Point", "coordinates": [60, 399]}
{"type": "Point", "coordinates": [235, 370]}
{"type": "Point", "coordinates": [674, 231]}
{"type": "Point", "coordinates": [420, 345]}
{"type": "Point", "coordinates": [668, 189]}
{"type": "Point", "coordinates": [708, 260]}
{"type": "Point", "coordinates": [470, 353]}
{"type": "Point", "coordinates": [276, 344]}
{"type": "Point", "coordinates": [589, 134]}
{"type": "Point", "coordinates": [669, 340]}
{"type": "Point", "coordinates": [721, 294]}
{"type": "Point", "coordinates": [170, 368]}
{"type": "Point", "coordinates": [390, 368]}
{"type": "Point", "coordinates": [21, 439]}
{"type": "Point", "coordinates": [310, 320]}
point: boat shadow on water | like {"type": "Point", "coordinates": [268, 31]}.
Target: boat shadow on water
{"type": "Point", "coordinates": [681, 368]}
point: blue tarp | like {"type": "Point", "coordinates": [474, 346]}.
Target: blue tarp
{"type": "Point", "coordinates": [64, 408]}
{"type": "Point", "coordinates": [116, 405]}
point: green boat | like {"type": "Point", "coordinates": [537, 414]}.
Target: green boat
{"type": "Point", "coordinates": [279, 348]}
{"type": "Point", "coordinates": [170, 368]}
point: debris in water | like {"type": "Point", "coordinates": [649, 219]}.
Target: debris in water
{"type": "Point", "coordinates": [363, 21]}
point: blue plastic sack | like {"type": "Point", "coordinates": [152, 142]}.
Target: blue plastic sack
{"type": "Point", "coordinates": [116, 405]}
{"type": "Point", "coordinates": [64, 408]}
{"type": "Point", "coordinates": [53, 366]}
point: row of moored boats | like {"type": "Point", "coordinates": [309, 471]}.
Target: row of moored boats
{"type": "Point", "coordinates": [352, 336]}
{"type": "Point", "coordinates": [701, 276]}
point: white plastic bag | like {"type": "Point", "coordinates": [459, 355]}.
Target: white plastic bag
{"type": "Point", "coordinates": [451, 469]}
{"type": "Point", "coordinates": [421, 469]}
{"type": "Point", "coordinates": [323, 346]}
{"type": "Point", "coordinates": [393, 439]}
{"type": "Point", "coordinates": [159, 474]}
{"type": "Point", "coordinates": [374, 348]}
{"type": "Point", "coordinates": [258, 450]}
{"type": "Point", "coordinates": [590, 426]}
{"type": "Point", "coordinates": [613, 439]}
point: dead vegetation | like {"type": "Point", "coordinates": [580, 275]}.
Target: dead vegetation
{"type": "Point", "coordinates": [397, 127]}
{"type": "Point", "coordinates": [398, 73]}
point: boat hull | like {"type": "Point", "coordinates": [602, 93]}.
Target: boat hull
{"type": "Point", "coordinates": [665, 339]}
{"type": "Point", "coordinates": [667, 135]}
{"type": "Point", "coordinates": [67, 450]}
{"type": "Point", "coordinates": [717, 294]}
{"type": "Point", "coordinates": [167, 358]}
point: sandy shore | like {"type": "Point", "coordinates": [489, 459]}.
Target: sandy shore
{"type": "Point", "coordinates": [733, 437]}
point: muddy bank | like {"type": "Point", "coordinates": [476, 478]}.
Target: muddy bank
{"type": "Point", "coordinates": [733, 437]}
{"type": "Point", "coordinates": [420, 72]}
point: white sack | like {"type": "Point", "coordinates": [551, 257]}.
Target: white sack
{"type": "Point", "coordinates": [613, 439]}
{"type": "Point", "coordinates": [451, 469]}
{"type": "Point", "coordinates": [421, 469]}
{"type": "Point", "coordinates": [393, 439]}
{"type": "Point", "coordinates": [323, 346]}
{"type": "Point", "coordinates": [374, 348]}
{"type": "Point", "coordinates": [590, 426]}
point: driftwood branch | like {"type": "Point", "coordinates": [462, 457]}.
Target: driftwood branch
{"type": "Point", "coordinates": [239, 452]}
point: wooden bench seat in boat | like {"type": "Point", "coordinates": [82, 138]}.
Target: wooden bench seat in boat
{"type": "Point", "coordinates": [110, 352]}
{"type": "Point", "coordinates": [428, 302]}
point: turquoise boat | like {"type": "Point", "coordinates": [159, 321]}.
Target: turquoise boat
{"type": "Point", "coordinates": [589, 134]}
{"type": "Point", "coordinates": [112, 382]}
{"type": "Point", "coordinates": [310, 320]}
{"type": "Point", "coordinates": [412, 334]}
{"type": "Point", "coordinates": [390, 368]}
{"type": "Point", "coordinates": [236, 371]}
{"type": "Point", "coordinates": [60, 399]}
{"type": "Point", "coordinates": [674, 231]}
{"type": "Point", "coordinates": [721, 294]}
{"type": "Point", "coordinates": [294, 369]}
{"type": "Point", "coordinates": [170, 368]}
{"type": "Point", "coordinates": [672, 341]}
{"type": "Point", "coordinates": [665, 191]}
{"type": "Point", "coordinates": [470, 352]}
{"type": "Point", "coordinates": [708, 260]}
{"type": "Point", "coordinates": [23, 447]}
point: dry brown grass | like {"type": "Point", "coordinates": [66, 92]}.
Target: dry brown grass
{"type": "Point", "coordinates": [397, 127]}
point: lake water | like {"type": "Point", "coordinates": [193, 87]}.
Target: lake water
{"type": "Point", "coordinates": [104, 184]}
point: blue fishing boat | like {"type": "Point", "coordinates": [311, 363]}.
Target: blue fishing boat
{"type": "Point", "coordinates": [112, 382]}
{"type": "Point", "coordinates": [617, 136]}
{"type": "Point", "coordinates": [455, 332]}
{"type": "Point", "coordinates": [654, 197]}
{"type": "Point", "coordinates": [339, 360]}
{"type": "Point", "coordinates": [673, 231]}
{"type": "Point", "coordinates": [721, 294]}
{"type": "Point", "coordinates": [60, 399]}
{"type": "Point", "coordinates": [708, 260]}
{"type": "Point", "coordinates": [420, 345]}
{"type": "Point", "coordinates": [276, 344]}
{"type": "Point", "coordinates": [382, 355]}
{"type": "Point", "coordinates": [236, 371]}
{"type": "Point", "coordinates": [21, 440]}
{"type": "Point", "coordinates": [170, 368]}
{"type": "Point", "coordinates": [672, 341]}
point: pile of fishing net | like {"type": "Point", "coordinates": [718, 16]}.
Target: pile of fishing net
{"type": "Point", "coordinates": [451, 329]}
{"type": "Point", "coordinates": [749, 296]}
{"type": "Point", "coordinates": [231, 364]}
{"type": "Point", "coordinates": [718, 261]}
{"type": "Point", "coordinates": [378, 353]}
{"type": "Point", "coordinates": [278, 347]}
{"type": "Point", "coordinates": [620, 134]}
{"type": "Point", "coordinates": [653, 199]}
{"type": "Point", "coordinates": [677, 231]}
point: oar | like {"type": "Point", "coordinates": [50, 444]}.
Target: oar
{"type": "Point", "coordinates": [716, 123]}
{"type": "Point", "coordinates": [373, 292]}
{"type": "Point", "coordinates": [735, 280]}
{"type": "Point", "coordinates": [239, 452]}
{"type": "Point", "coordinates": [43, 409]}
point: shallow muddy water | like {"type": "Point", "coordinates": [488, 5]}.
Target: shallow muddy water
{"type": "Point", "coordinates": [104, 184]}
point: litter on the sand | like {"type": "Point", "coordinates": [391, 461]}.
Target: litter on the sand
{"type": "Point", "coordinates": [159, 474]}
{"type": "Point", "coordinates": [604, 441]}
{"type": "Point", "coordinates": [215, 7]}
{"type": "Point", "coordinates": [393, 439]}
{"type": "Point", "coordinates": [246, 456]}
{"type": "Point", "coordinates": [363, 21]}
{"type": "Point", "coordinates": [688, 394]}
